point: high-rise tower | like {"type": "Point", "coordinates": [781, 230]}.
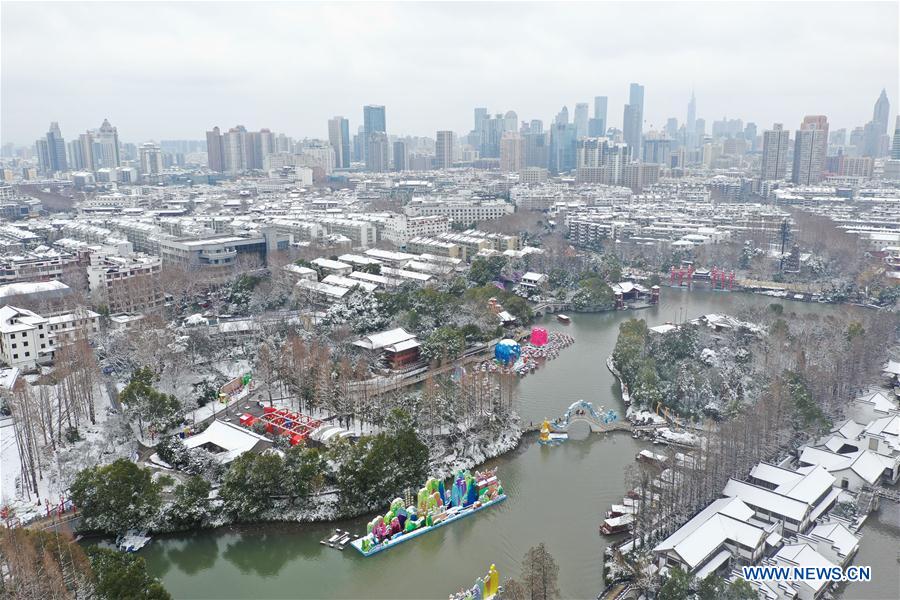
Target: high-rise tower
{"type": "Point", "coordinates": [339, 137]}
{"type": "Point", "coordinates": [776, 145]}
{"type": "Point", "coordinates": [443, 150]}
{"type": "Point", "coordinates": [374, 121]}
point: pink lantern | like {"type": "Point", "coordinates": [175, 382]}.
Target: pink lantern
{"type": "Point", "coordinates": [538, 336]}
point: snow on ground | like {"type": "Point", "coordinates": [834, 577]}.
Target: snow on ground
{"type": "Point", "coordinates": [685, 438]}
{"type": "Point", "coordinates": [473, 450]}
{"type": "Point", "coordinates": [100, 443]}
{"type": "Point", "coordinates": [643, 416]}
{"type": "Point", "coordinates": [10, 467]}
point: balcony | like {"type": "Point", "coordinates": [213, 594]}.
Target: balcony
{"type": "Point", "coordinates": [218, 256]}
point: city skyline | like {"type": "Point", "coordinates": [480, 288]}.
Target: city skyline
{"type": "Point", "coordinates": [189, 92]}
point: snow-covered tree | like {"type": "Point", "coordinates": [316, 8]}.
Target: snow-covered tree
{"type": "Point", "coordinates": [359, 310]}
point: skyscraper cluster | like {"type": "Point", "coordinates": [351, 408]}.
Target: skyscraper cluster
{"type": "Point", "coordinates": [238, 150]}
{"type": "Point", "coordinates": [94, 149]}
{"type": "Point", "coordinates": [576, 140]}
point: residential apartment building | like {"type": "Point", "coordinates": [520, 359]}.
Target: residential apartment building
{"type": "Point", "coordinates": [125, 284]}
{"type": "Point", "coordinates": [36, 266]}
{"type": "Point", "coordinates": [27, 339]}
{"type": "Point", "coordinates": [776, 147]}
{"type": "Point", "coordinates": [466, 212]}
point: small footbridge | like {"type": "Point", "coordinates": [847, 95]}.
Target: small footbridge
{"type": "Point", "coordinates": [546, 308]}
{"type": "Point", "coordinates": [598, 420]}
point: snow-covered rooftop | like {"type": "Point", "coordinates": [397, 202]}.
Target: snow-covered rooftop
{"type": "Point", "coordinates": [841, 538]}
{"type": "Point", "coordinates": [232, 439]}
{"type": "Point", "coordinates": [724, 519]}
{"type": "Point", "coordinates": [332, 265]}
{"type": "Point", "coordinates": [347, 282]}
{"type": "Point", "coordinates": [34, 287]}
{"type": "Point", "coordinates": [773, 502]}
{"type": "Point", "coordinates": [377, 341]}
{"type": "Point", "coordinates": [806, 556]}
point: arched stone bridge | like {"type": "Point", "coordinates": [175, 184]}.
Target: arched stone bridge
{"type": "Point", "coordinates": [546, 308]}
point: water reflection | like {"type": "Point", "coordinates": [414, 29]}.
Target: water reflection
{"type": "Point", "coordinates": [199, 552]}
{"type": "Point", "coordinates": [266, 553]}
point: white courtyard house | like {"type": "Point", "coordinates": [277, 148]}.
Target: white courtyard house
{"type": "Point", "coordinates": [778, 494]}
{"type": "Point", "coordinates": [722, 534]}
{"type": "Point", "coordinates": [318, 292]}
{"type": "Point", "coordinates": [297, 272]}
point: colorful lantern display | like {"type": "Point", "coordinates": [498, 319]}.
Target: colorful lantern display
{"type": "Point", "coordinates": [435, 505]}
{"type": "Point", "coordinates": [539, 336]}
{"type": "Point", "coordinates": [507, 351]}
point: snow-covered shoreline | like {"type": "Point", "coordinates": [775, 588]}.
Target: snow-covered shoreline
{"type": "Point", "coordinates": [611, 365]}
{"type": "Point", "coordinates": [468, 452]}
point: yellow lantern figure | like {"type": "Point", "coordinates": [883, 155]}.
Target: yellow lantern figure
{"type": "Point", "coordinates": [545, 431]}
{"type": "Point", "coordinates": [493, 582]}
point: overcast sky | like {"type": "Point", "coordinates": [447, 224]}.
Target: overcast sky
{"type": "Point", "coordinates": [172, 71]}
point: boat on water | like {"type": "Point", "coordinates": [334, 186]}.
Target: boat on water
{"type": "Point", "coordinates": [435, 505]}
{"type": "Point", "coordinates": [618, 510]}
{"type": "Point", "coordinates": [563, 319]}
{"type": "Point", "coordinates": [651, 458]}
{"type": "Point", "coordinates": [614, 525]}
{"type": "Point", "coordinates": [132, 541]}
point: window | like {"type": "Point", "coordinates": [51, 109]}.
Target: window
{"type": "Point", "coordinates": [873, 442]}
{"type": "Point", "coordinates": [15, 356]}
{"type": "Point", "coordinates": [27, 354]}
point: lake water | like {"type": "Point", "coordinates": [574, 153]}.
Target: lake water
{"type": "Point", "coordinates": [556, 495]}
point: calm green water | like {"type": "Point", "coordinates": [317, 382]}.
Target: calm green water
{"type": "Point", "coordinates": [556, 496]}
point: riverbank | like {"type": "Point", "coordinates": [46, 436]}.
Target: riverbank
{"type": "Point", "coordinates": [579, 479]}
{"type": "Point", "coordinates": [467, 450]}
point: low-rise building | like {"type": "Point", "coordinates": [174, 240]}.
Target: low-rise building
{"type": "Point", "coordinates": [333, 267]}
{"type": "Point", "coordinates": [350, 283]}
{"type": "Point", "coordinates": [777, 494]}
{"type": "Point", "coordinates": [535, 280]}
{"type": "Point", "coordinates": [718, 536]}
{"type": "Point", "coordinates": [220, 253]}
{"type": "Point", "coordinates": [425, 245]}
{"type": "Point", "coordinates": [319, 292]}
{"type": "Point", "coordinates": [397, 346]}
{"type": "Point", "coordinates": [45, 265]}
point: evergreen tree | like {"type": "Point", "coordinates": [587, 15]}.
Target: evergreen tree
{"type": "Point", "coordinates": [116, 497]}
{"type": "Point", "coordinates": [677, 586]}
{"type": "Point", "coordinates": [251, 481]}
{"type": "Point", "coordinates": [123, 576]}
{"type": "Point", "coordinates": [190, 506]}
{"type": "Point", "coordinates": [712, 587]}
{"type": "Point", "coordinates": [146, 403]}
